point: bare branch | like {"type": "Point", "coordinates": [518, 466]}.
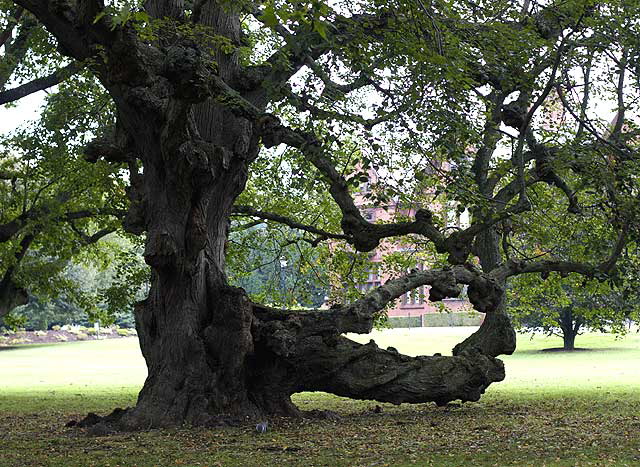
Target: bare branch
{"type": "Point", "coordinates": [249, 211]}
{"type": "Point", "coordinates": [39, 84]}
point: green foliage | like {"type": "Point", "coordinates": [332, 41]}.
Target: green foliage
{"type": "Point", "coordinates": [274, 268]}
{"type": "Point", "coordinates": [568, 306]}
{"type": "Point", "coordinates": [13, 321]}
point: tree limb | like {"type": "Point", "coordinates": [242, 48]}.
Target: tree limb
{"type": "Point", "coordinates": [249, 211]}
{"type": "Point", "coordinates": [39, 84]}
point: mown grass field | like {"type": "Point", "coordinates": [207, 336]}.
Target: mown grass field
{"type": "Point", "coordinates": [555, 408]}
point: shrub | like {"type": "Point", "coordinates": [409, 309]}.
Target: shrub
{"type": "Point", "coordinates": [55, 328]}
{"type": "Point", "coordinates": [437, 320]}
{"type": "Point", "coordinates": [62, 338]}
{"type": "Point", "coordinates": [20, 340]}
{"type": "Point", "coordinates": [123, 332]}
{"type": "Point", "coordinates": [82, 329]}
{"type": "Point", "coordinates": [40, 333]}
{"type": "Point", "coordinates": [91, 331]}
{"type": "Point", "coordinates": [81, 336]}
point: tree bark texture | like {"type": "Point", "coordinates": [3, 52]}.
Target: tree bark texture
{"type": "Point", "coordinates": [496, 335]}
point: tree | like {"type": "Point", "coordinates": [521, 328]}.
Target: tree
{"type": "Point", "coordinates": [567, 307]}
{"type": "Point", "coordinates": [53, 204]}
{"type": "Point", "coordinates": [202, 90]}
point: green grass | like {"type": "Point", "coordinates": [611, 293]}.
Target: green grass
{"type": "Point", "coordinates": [556, 409]}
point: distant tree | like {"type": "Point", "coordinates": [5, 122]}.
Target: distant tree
{"type": "Point", "coordinates": [568, 306]}
{"type": "Point", "coordinates": [53, 203]}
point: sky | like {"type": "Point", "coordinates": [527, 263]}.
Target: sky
{"type": "Point", "coordinates": [27, 109]}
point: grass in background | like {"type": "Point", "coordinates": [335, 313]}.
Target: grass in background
{"type": "Point", "coordinates": [555, 408]}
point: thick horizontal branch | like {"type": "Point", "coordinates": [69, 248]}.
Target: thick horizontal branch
{"type": "Point", "coordinates": [343, 367]}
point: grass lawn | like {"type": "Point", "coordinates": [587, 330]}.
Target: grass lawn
{"type": "Point", "coordinates": [555, 408]}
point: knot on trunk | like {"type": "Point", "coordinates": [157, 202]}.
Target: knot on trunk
{"type": "Point", "coordinates": [280, 337]}
{"type": "Point", "coordinates": [269, 127]}
{"type": "Point", "coordinates": [151, 100]}
{"type": "Point", "coordinates": [131, 61]}
{"type": "Point", "coordinates": [458, 246]}
{"type": "Point", "coordinates": [107, 149]}
{"type": "Point", "coordinates": [444, 288]}
{"type": "Point", "coordinates": [362, 237]}
{"type": "Point", "coordinates": [485, 295]}
{"type": "Point", "coordinates": [161, 250]}
{"type": "Point", "coordinates": [200, 157]}
{"type": "Point", "coordinates": [513, 115]}
{"type": "Point", "coordinates": [188, 71]}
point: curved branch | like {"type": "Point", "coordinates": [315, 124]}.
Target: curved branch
{"type": "Point", "coordinates": [515, 267]}
{"type": "Point", "coordinates": [485, 293]}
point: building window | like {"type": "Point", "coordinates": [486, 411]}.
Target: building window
{"type": "Point", "coordinates": [372, 275]}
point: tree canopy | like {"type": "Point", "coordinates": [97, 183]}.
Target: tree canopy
{"type": "Point", "coordinates": [52, 202]}
{"type": "Point", "coordinates": [232, 114]}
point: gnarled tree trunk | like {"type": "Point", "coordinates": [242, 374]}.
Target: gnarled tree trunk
{"type": "Point", "coordinates": [496, 335]}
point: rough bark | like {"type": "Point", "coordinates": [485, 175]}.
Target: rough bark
{"type": "Point", "coordinates": [496, 335]}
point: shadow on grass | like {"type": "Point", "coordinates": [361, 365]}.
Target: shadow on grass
{"type": "Point", "coordinates": [31, 346]}
{"type": "Point", "coordinates": [576, 350]}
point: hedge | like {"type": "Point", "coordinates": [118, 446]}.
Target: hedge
{"type": "Point", "coordinates": [437, 320]}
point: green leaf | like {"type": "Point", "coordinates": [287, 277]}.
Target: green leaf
{"type": "Point", "coordinates": [321, 28]}
{"type": "Point", "coordinates": [269, 17]}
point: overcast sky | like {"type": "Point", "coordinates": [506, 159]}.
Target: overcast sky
{"type": "Point", "coordinates": [27, 109]}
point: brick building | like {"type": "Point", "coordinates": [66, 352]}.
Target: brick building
{"type": "Point", "coordinates": [415, 303]}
